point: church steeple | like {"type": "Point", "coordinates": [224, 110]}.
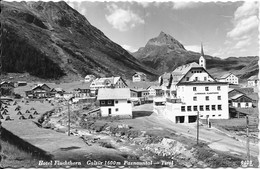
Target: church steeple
{"type": "Point", "coordinates": [202, 60]}
{"type": "Point", "coordinates": [202, 52]}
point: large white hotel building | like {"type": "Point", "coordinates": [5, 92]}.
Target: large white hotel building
{"type": "Point", "coordinates": [191, 89]}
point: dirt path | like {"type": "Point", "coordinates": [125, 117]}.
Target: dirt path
{"type": "Point", "coordinates": [215, 138]}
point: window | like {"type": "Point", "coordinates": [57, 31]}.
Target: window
{"type": "Point", "coordinates": [219, 97]}
{"type": "Point", "coordinates": [201, 108]}
{"type": "Point", "coordinates": [246, 104]}
{"type": "Point", "coordinates": [187, 78]}
{"type": "Point", "coordinates": [103, 102]}
{"type": "Point", "coordinates": [201, 115]}
{"type": "Point", "coordinates": [182, 108]}
{"type": "Point", "coordinates": [207, 88]}
{"type": "Point", "coordinates": [207, 97]}
{"type": "Point", "coordinates": [219, 115]}
{"type": "Point", "coordinates": [195, 108]}
{"type": "Point", "coordinates": [213, 115]}
{"type": "Point", "coordinates": [109, 102]}
{"type": "Point", "coordinates": [194, 98]}
{"type": "Point", "coordinates": [189, 108]}
{"type": "Point", "coordinates": [196, 78]}
{"type": "Point", "coordinates": [213, 107]}
{"type": "Point", "coordinates": [218, 88]}
{"type": "Point", "coordinates": [205, 78]}
{"type": "Point", "coordinates": [116, 101]}
{"type": "Point", "coordinates": [194, 89]}
{"type": "Point", "coordinates": [207, 107]}
{"type": "Point", "coordinates": [219, 107]}
{"type": "Point", "coordinates": [116, 109]}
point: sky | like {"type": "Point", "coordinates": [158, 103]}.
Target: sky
{"type": "Point", "coordinates": [225, 28]}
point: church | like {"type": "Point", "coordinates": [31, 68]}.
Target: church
{"type": "Point", "coordinates": [192, 90]}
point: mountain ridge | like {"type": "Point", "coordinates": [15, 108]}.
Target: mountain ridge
{"type": "Point", "coordinates": [56, 34]}
{"type": "Point", "coordinates": [166, 57]}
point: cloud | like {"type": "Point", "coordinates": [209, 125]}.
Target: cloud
{"type": "Point", "coordinates": [77, 5]}
{"type": "Point", "coordinates": [129, 48]}
{"type": "Point", "coordinates": [243, 43]}
{"type": "Point", "coordinates": [247, 9]}
{"type": "Point", "coordinates": [122, 19]}
{"type": "Point", "coordinates": [245, 25]}
{"type": "Point", "coordinates": [183, 5]}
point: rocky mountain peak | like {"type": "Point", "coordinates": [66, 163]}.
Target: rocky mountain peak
{"type": "Point", "coordinates": [164, 39]}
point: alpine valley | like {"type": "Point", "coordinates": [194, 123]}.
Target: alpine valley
{"type": "Point", "coordinates": [51, 40]}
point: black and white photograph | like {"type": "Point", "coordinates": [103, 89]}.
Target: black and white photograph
{"type": "Point", "coordinates": [129, 84]}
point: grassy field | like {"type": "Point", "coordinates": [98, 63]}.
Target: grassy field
{"type": "Point", "coordinates": [14, 157]}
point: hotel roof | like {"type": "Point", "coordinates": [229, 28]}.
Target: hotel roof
{"type": "Point", "coordinates": [111, 94]}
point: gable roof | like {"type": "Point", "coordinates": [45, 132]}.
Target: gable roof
{"type": "Point", "coordinates": [154, 87]}
{"type": "Point", "coordinates": [226, 75]}
{"type": "Point", "coordinates": [103, 80]}
{"type": "Point", "coordinates": [5, 82]}
{"type": "Point", "coordinates": [237, 96]}
{"type": "Point", "coordinates": [215, 82]}
{"type": "Point", "coordinates": [40, 85]}
{"type": "Point", "coordinates": [185, 68]}
{"type": "Point", "coordinates": [139, 73]}
{"type": "Point", "coordinates": [181, 71]}
{"type": "Point", "coordinates": [116, 93]}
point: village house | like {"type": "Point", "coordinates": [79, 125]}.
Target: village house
{"type": "Point", "coordinates": [253, 81]}
{"type": "Point", "coordinates": [115, 102]}
{"type": "Point", "coordinates": [139, 95]}
{"type": "Point", "coordinates": [39, 91]}
{"type": "Point", "coordinates": [239, 99]}
{"type": "Point", "coordinates": [107, 82]}
{"type": "Point", "coordinates": [56, 92]}
{"type": "Point", "coordinates": [139, 77]}
{"type": "Point", "coordinates": [6, 88]}
{"type": "Point", "coordinates": [21, 83]}
{"type": "Point", "coordinates": [89, 78]}
{"type": "Point", "coordinates": [230, 78]}
{"type": "Point", "coordinates": [155, 91]}
{"type": "Point", "coordinates": [193, 90]}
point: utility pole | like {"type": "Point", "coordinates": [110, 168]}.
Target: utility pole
{"type": "Point", "coordinates": [1, 48]}
{"type": "Point", "coordinates": [247, 141]}
{"type": "Point", "coordinates": [198, 128]}
{"type": "Point", "coordinates": [69, 117]}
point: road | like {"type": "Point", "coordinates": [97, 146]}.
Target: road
{"type": "Point", "coordinates": [215, 138]}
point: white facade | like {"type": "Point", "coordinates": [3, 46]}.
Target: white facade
{"type": "Point", "coordinates": [193, 90]}
{"type": "Point", "coordinates": [120, 108]}
{"type": "Point", "coordinates": [109, 82]}
{"type": "Point", "coordinates": [139, 77]}
{"type": "Point", "coordinates": [230, 78]}
{"type": "Point", "coordinates": [242, 104]}
{"type": "Point", "coordinates": [209, 99]}
{"type": "Point", "coordinates": [89, 78]}
{"type": "Point", "coordinates": [202, 62]}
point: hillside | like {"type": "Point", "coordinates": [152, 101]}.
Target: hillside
{"type": "Point", "coordinates": [164, 53]}
{"type": "Point", "coordinates": [50, 40]}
